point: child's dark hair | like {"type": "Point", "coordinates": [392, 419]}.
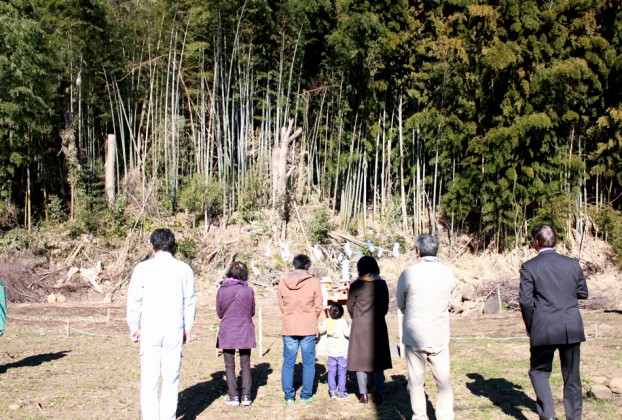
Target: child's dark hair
{"type": "Point", "coordinates": [336, 311]}
{"type": "Point", "coordinates": [301, 262]}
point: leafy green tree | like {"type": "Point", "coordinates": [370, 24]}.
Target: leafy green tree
{"type": "Point", "coordinates": [25, 97]}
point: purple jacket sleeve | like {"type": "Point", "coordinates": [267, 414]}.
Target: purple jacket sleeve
{"type": "Point", "coordinates": [253, 302]}
{"type": "Point", "coordinates": [219, 306]}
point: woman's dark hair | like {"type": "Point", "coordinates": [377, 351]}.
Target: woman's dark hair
{"type": "Point", "coordinates": [163, 240]}
{"type": "Point", "coordinates": [336, 311]}
{"type": "Point", "coordinates": [237, 270]}
{"type": "Point", "coordinates": [367, 265]}
{"type": "Point", "coordinates": [301, 262]}
{"type": "Point", "coordinates": [544, 235]}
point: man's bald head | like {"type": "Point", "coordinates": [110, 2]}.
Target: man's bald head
{"type": "Point", "coordinates": [544, 235]}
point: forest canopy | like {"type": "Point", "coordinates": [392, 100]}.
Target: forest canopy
{"type": "Point", "coordinates": [483, 116]}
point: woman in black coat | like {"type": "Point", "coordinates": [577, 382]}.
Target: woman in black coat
{"type": "Point", "coordinates": [369, 352]}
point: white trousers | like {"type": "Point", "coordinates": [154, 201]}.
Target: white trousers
{"type": "Point", "coordinates": [160, 357]}
{"type": "Point", "coordinates": [438, 358]}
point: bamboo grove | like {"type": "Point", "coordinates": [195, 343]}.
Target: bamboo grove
{"type": "Point", "coordinates": [481, 116]}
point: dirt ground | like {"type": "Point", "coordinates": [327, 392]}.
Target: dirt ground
{"type": "Point", "coordinates": [70, 360]}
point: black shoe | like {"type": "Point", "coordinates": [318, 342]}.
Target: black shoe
{"type": "Point", "coordinates": [364, 399]}
{"type": "Point", "coordinates": [246, 400]}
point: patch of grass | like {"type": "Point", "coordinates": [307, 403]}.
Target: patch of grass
{"type": "Point", "coordinates": [97, 376]}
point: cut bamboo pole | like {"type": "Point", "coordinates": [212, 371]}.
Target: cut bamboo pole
{"type": "Point", "coordinates": [400, 129]}
{"type": "Point", "coordinates": [110, 165]}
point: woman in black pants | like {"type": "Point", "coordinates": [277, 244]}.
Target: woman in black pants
{"type": "Point", "coordinates": [235, 306]}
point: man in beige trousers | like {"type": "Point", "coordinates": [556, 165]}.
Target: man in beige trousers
{"type": "Point", "coordinates": [424, 294]}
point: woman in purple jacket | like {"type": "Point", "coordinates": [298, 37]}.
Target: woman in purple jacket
{"type": "Point", "coordinates": [235, 306]}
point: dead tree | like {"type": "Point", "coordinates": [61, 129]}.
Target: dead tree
{"type": "Point", "coordinates": [70, 150]}
{"type": "Point", "coordinates": [279, 172]}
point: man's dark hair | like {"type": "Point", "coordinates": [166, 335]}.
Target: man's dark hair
{"type": "Point", "coordinates": [301, 262]}
{"type": "Point", "coordinates": [163, 240]}
{"type": "Point", "coordinates": [237, 270]}
{"type": "Point", "coordinates": [427, 245]}
{"type": "Point", "coordinates": [336, 311]}
{"type": "Point", "coordinates": [544, 235]}
{"type": "Point", "coordinates": [367, 265]}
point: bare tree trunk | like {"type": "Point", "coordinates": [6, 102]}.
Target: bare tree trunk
{"type": "Point", "coordinates": [279, 161]}
{"type": "Point", "coordinates": [402, 190]}
{"type": "Point", "coordinates": [73, 165]}
{"type": "Point", "coordinates": [375, 187]}
{"type": "Point", "coordinates": [28, 213]}
{"type": "Point", "coordinates": [339, 135]}
{"type": "Point", "coordinates": [280, 174]}
{"type": "Point", "coordinates": [111, 154]}
{"type": "Point", "coordinates": [435, 182]}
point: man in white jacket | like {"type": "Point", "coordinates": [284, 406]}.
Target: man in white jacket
{"type": "Point", "coordinates": [424, 294]}
{"type": "Point", "coordinates": [160, 313]}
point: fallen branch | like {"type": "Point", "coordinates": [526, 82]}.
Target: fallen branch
{"type": "Point", "coordinates": [94, 285]}
{"type": "Point", "coordinates": [72, 256]}
{"type": "Point", "coordinates": [340, 236]}
{"type": "Point", "coordinates": [259, 283]}
{"type": "Point", "coordinates": [49, 273]}
{"type": "Point", "coordinates": [461, 251]}
{"type": "Point", "coordinates": [231, 259]}
{"type": "Point", "coordinates": [88, 333]}
{"type": "Point", "coordinates": [211, 256]}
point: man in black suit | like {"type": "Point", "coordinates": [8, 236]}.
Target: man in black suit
{"type": "Point", "coordinates": [550, 286]}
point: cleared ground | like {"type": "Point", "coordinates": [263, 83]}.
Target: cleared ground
{"type": "Point", "coordinates": [93, 372]}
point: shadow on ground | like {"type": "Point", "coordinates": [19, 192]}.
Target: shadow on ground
{"type": "Point", "coordinates": [613, 311]}
{"type": "Point", "coordinates": [35, 360]}
{"type": "Point", "coordinates": [397, 401]}
{"type": "Point", "coordinates": [506, 395]}
{"type": "Point", "coordinates": [195, 399]}
{"type": "Point", "coordinates": [320, 376]}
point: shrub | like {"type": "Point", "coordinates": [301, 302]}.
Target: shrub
{"type": "Point", "coordinates": [187, 248]}
{"type": "Point", "coordinates": [8, 214]}
{"type": "Point", "coordinates": [87, 211]}
{"type": "Point", "coordinates": [400, 240]}
{"type": "Point", "coordinates": [55, 208]}
{"type": "Point", "coordinates": [319, 226]}
{"type": "Point", "coordinates": [608, 224]}
{"type": "Point", "coordinates": [556, 212]}
{"type": "Point", "coordinates": [192, 196]}
{"type": "Point", "coordinates": [353, 227]}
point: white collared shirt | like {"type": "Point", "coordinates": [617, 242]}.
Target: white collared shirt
{"type": "Point", "coordinates": [545, 249]}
